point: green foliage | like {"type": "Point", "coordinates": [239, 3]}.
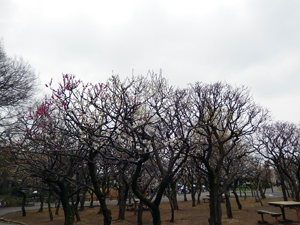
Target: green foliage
{"type": "Point", "coordinates": [243, 188]}
{"type": "Point", "coordinates": [11, 200]}
{"type": "Point", "coordinates": [266, 184]}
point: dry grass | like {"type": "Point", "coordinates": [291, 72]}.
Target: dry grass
{"type": "Point", "coordinates": [187, 215]}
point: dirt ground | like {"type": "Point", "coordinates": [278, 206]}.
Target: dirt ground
{"type": "Point", "coordinates": [187, 215]}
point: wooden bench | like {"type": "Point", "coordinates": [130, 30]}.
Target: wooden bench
{"type": "Point", "coordinates": [273, 214]}
{"type": "Point", "coordinates": [204, 199]}
{"type": "Point", "coordinates": [129, 207]}
{"type": "Point", "coordinates": [222, 199]}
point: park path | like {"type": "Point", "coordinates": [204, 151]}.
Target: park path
{"type": "Point", "coordinates": [6, 210]}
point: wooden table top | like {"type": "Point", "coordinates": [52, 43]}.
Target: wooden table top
{"type": "Point", "coordinates": [285, 203]}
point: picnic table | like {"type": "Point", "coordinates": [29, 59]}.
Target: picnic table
{"type": "Point", "coordinates": [290, 204]}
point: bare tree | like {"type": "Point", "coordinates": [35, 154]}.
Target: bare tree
{"type": "Point", "coordinates": [222, 115]}
{"type": "Point", "coordinates": [44, 149]}
{"type": "Point", "coordinates": [279, 144]}
{"type": "Point", "coordinates": [232, 164]}
{"type": "Point", "coordinates": [83, 107]}
{"type": "Point", "coordinates": [152, 129]}
{"type": "Point", "coordinates": [17, 85]}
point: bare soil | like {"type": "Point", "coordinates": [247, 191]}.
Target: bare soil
{"type": "Point", "coordinates": [187, 215]}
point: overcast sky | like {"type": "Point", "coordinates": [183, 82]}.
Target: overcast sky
{"type": "Point", "coordinates": [255, 43]}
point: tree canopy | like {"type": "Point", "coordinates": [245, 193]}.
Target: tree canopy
{"type": "Point", "coordinates": [142, 133]}
{"type": "Point", "coordinates": [17, 85]}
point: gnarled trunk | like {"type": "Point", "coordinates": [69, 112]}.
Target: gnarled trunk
{"type": "Point", "coordinates": [193, 192]}
{"type": "Point", "coordinates": [92, 199]}
{"type": "Point", "coordinates": [42, 203]}
{"type": "Point", "coordinates": [215, 201]}
{"type": "Point", "coordinates": [140, 214]}
{"type": "Point", "coordinates": [23, 202]}
{"type": "Point", "coordinates": [228, 205]}
{"type": "Point", "coordinates": [57, 207]}
{"type": "Point", "coordinates": [82, 200]}
{"type": "Point", "coordinates": [237, 199]}
{"type": "Point", "coordinates": [75, 207]}
{"type": "Point", "coordinates": [123, 193]}
{"type": "Point", "coordinates": [49, 206]}
{"type": "Point", "coordinates": [283, 187]}
{"type": "Point", "coordinates": [69, 215]}
{"type": "Point", "coordinates": [101, 197]}
{"type": "Point", "coordinates": [154, 206]}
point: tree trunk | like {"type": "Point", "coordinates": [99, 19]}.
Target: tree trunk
{"type": "Point", "coordinates": [296, 192]}
{"type": "Point", "coordinates": [237, 200]}
{"type": "Point", "coordinates": [42, 203]}
{"type": "Point", "coordinates": [82, 200]}
{"type": "Point", "coordinates": [283, 187]}
{"type": "Point", "coordinates": [69, 215]}
{"type": "Point", "coordinates": [272, 188]}
{"type": "Point", "coordinates": [169, 194]}
{"type": "Point", "coordinates": [57, 207]}
{"type": "Point", "coordinates": [245, 195]}
{"type": "Point", "coordinates": [184, 193]}
{"type": "Point", "coordinates": [92, 199]}
{"type": "Point", "coordinates": [77, 215]}
{"type": "Point", "coordinates": [215, 201]}
{"type": "Point", "coordinates": [292, 191]}
{"type": "Point", "coordinates": [129, 195]}
{"type": "Point", "coordinates": [123, 192]}
{"type": "Point", "coordinates": [75, 207]}
{"type": "Point", "coordinates": [193, 194]}
{"type": "Point", "coordinates": [122, 202]}
{"type": "Point", "coordinates": [23, 203]}
{"type": "Point", "coordinates": [154, 206]}
{"type": "Point", "coordinates": [262, 193]}
{"type": "Point", "coordinates": [199, 193]}
{"type": "Point", "coordinates": [198, 197]}
{"type": "Point", "coordinates": [174, 195]}
{"type": "Point", "coordinates": [49, 207]}
{"type": "Point", "coordinates": [140, 214]}
{"type": "Point", "coordinates": [172, 208]}
{"type": "Point", "coordinates": [228, 205]}
{"type": "Point", "coordinates": [101, 197]}
{"type": "Point", "coordinates": [156, 216]}
{"type": "Point", "coordinates": [257, 197]}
